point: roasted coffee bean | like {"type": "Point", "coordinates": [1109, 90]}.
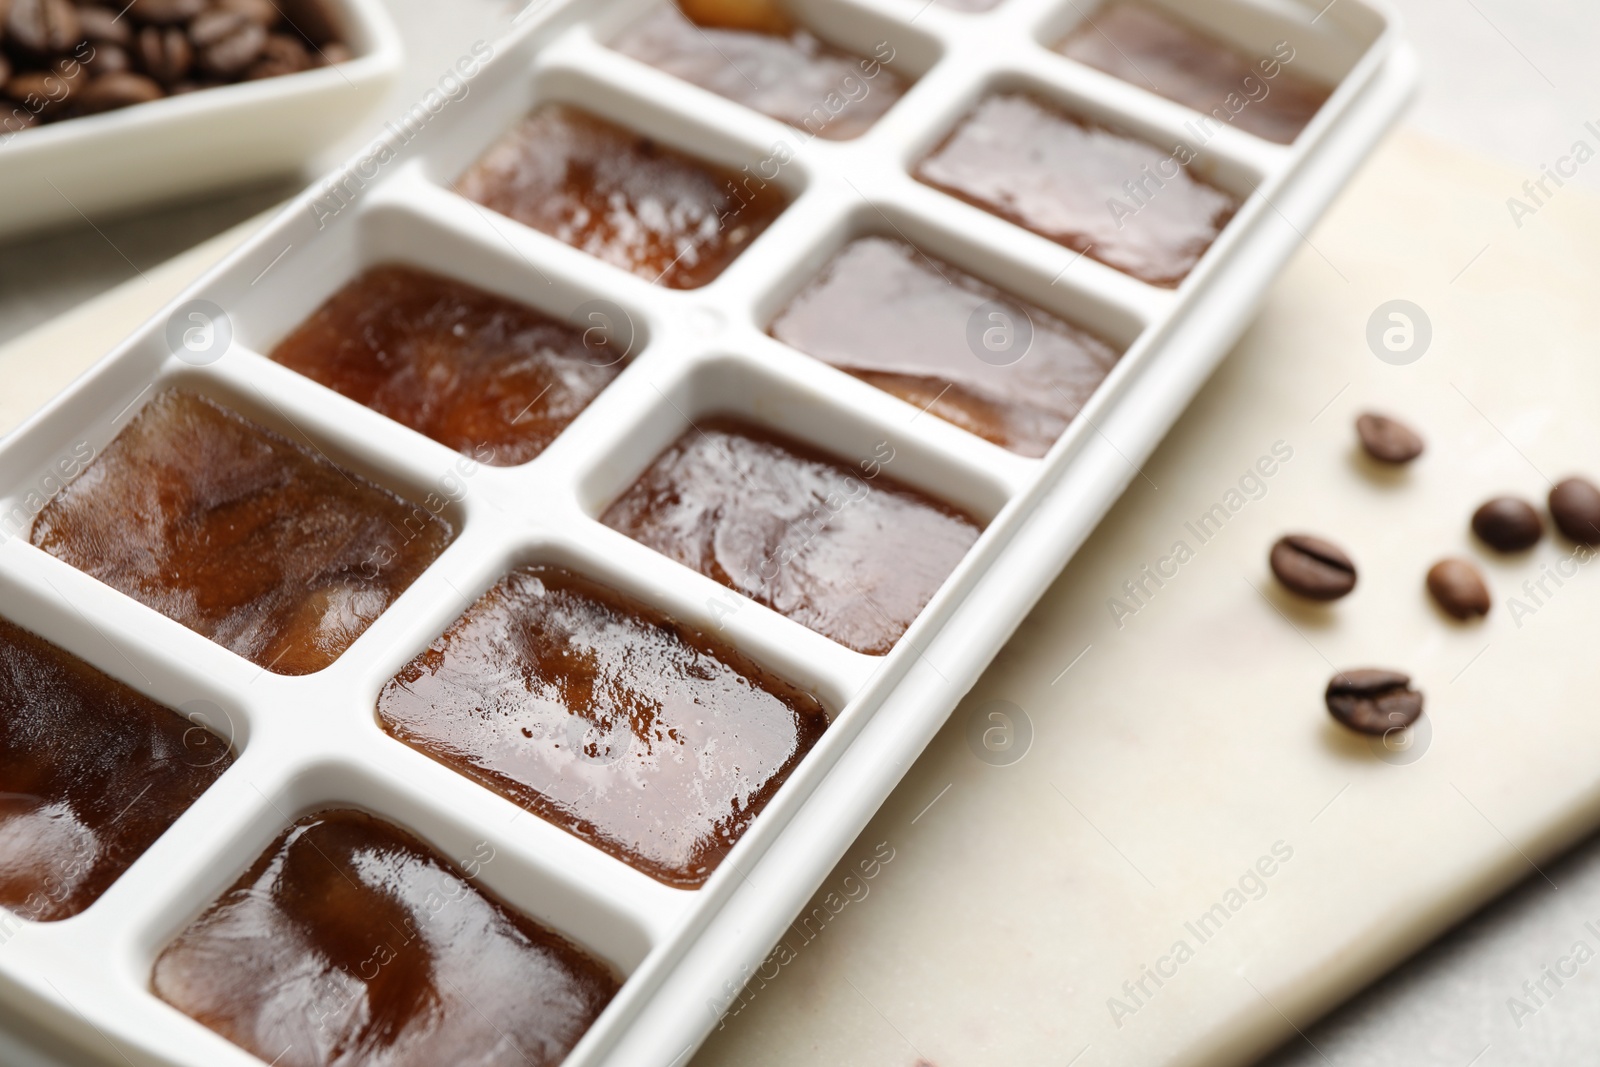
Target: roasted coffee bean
{"type": "Point", "coordinates": [1312, 567]}
{"type": "Point", "coordinates": [165, 53]}
{"type": "Point", "coordinates": [69, 70]}
{"type": "Point", "coordinates": [60, 48]}
{"type": "Point", "coordinates": [111, 91]}
{"type": "Point", "coordinates": [102, 24]}
{"type": "Point", "coordinates": [312, 19]}
{"type": "Point", "coordinates": [166, 12]}
{"type": "Point", "coordinates": [1373, 701]}
{"type": "Point", "coordinates": [1507, 524]}
{"type": "Point", "coordinates": [43, 27]}
{"type": "Point", "coordinates": [334, 53]}
{"type": "Point", "coordinates": [226, 42]}
{"type": "Point", "coordinates": [262, 12]}
{"type": "Point", "coordinates": [1387, 440]}
{"type": "Point", "coordinates": [108, 59]}
{"type": "Point", "coordinates": [19, 87]}
{"type": "Point", "coordinates": [1575, 505]}
{"type": "Point", "coordinates": [43, 92]}
{"type": "Point", "coordinates": [281, 55]}
{"type": "Point", "coordinates": [1459, 588]}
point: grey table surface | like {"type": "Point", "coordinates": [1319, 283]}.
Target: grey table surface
{"type": "Point", "coordinates": [1512, 79]}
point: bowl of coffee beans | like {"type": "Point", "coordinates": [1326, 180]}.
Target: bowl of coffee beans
{"type": "Point", "coordinates": [107, 105]}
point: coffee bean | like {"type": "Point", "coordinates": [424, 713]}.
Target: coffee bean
{"type": "Point", "coordinates": [60, 48]}
{"type": "Point", "coordinates": [108, 59]}
{"type": "Point", "coordinates": [43, 92]}
{"type": "Point", "coordinates": [19, 87]}
{"type": "Point", "coordinates": [1312, 567]}
{"type": "Point", "coordinates": [43, 27]}
{"type": "Point", "coordinates": [226, 42]}
{"type": "Point", "coordinates": [281, 55]}
{"type": "Point", "coordinates": [333, 54]}
{"type": "Point", "coordinates": [75, 74]}
{"type": "Point", "coordinates": [111, 91]}
{"type": "Point", "coordinates": [262, 12]}
{"type": "Point", "coordinates": [1373, 701]}
{"type": "Point", "coordinates": [1459, 588]}
{"type": "Point", "coordinates": [165, 53]}
{"type": "Point", "coordinates": [1575, 505]}
{"type": "Point", "coordinates": [102, 24]}
{"type": "Point", "coordinates": [1387, 440]}
{"type": "Point", "coordinates": [1507, 524]}
{"type": "Point", "coordinates": [312, 19]}
{"type": "Point", "coordinates": [166, 12]}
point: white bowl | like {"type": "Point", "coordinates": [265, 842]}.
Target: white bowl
{"type": "Point", "coordinates": [171, 148]}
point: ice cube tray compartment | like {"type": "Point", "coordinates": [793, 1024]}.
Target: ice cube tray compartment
{"type": "Point", "coordinates": [931, 233]}
{"type": "Point", "coordinates": [777, 394]}
{"type": "Point", "coordinates": [531, 875]}
{"type": "Point", "coordinates": [311, 742]}
{"type": "Point", "coordinates": [1328, 43]}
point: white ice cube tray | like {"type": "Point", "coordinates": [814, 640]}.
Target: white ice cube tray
{"type": "Point", "coordinates": [306, 743]}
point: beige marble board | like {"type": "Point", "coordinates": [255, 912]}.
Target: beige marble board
{"type": "Point", "coordinates": [1184, 803]}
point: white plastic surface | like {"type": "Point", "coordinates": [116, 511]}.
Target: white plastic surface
{"type": "Point", "coordinates": [313, 741]}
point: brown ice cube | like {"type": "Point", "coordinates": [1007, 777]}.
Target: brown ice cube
{"type": "Point", "coordinates": [653, 741]}
{"type": "Point", "coordinates": [91, 773]}
{"type": "Point", "coordinates": [350, 942]}
{"type": "Point", "coordinates": [849, 552]}
{"type": "Point", "coordinates": [624, 197]}
{"type": "Point", "coordinates": [1154, 50]}
{"type": "Point", "coordinates": [484, 375]}
{"type": "Point", "coordinates": [905, 322]}
{"type": "Point", "coordinates": [788, 74]}
{"type": "Point", "coordinates": [1125, 202]}
{"type": "Point", "coordinates": [242, 535]}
